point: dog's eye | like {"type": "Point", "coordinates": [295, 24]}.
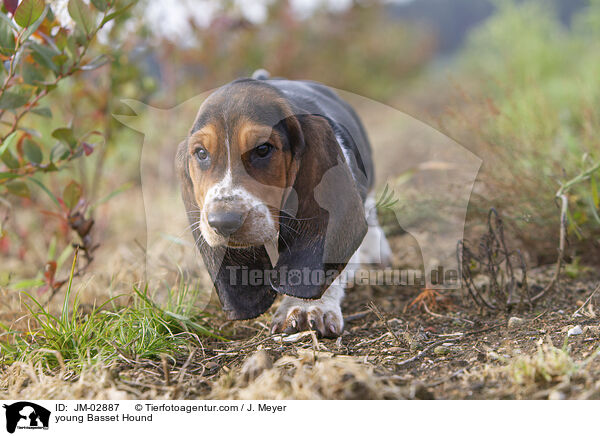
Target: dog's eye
{"type": "Point", "coordinates": [263, 150]}
{"type": "Point", "coordinates": [201, 154]}
{"type": "Point", "coordinates": [202, 157]}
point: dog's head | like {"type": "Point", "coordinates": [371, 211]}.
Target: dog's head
{"type": "Point", "coordinates": [256, 172]}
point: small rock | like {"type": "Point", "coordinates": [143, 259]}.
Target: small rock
{"type": "Point", "coordinates": [255, 365]}
{"type": "Point", "coordinates": [211, 365]}
{"type": "Point", "coordinates": [441, 350]}
{"type": "Point", "coordinates": [115, 394]}
{"type": "Point", "coordinates": [396, 349]}
{"type": "Point", "coordinates": [557, 395]}
{"type": "Point", "coordinates": [575, 331]}
{"type": "Point", "coordinates": [515, 322]}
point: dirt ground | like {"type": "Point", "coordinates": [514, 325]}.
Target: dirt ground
{"type": "Point", "coordinates": [390, 350]}
{"type": "Point", "coordinates": [457, 354]}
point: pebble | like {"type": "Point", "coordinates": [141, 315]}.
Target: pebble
{"type": "Point", "coordinates": [515, 322]}
{"type": "Point", "coordinates": [211, 365]}
{"type": "Point", "coordinates": [441, 350]}
{"type": "Point", "coordinates": [575, 331]}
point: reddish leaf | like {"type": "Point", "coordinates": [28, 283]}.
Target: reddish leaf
{"type": "Point", "coordinates": [87, 148]}
{"type": "Point", "coordinates": [4, 245]}
{"type": "Point", "coordinates": [50, 272]}
{"type": "Point", "coordinates": [11, 5]}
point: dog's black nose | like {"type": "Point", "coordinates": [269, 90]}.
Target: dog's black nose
{"type": "Point", "coordinates": [225, 223]}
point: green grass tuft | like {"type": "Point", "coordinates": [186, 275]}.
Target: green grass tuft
{"type": "Point", "coordinates": [109, 333]}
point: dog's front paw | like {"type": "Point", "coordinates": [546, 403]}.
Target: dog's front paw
{"type": "Point", "coordinates": [295, 315]}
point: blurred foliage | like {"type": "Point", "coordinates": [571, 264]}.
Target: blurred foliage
{"type": "Point", "coordinates": [54, 72]}
{"type": "Point", "coordinates": [360, 50]}
{"type": "Point", "coordinates": [38, 53]}
{"type": "Point", "coordinates": [535, 98]}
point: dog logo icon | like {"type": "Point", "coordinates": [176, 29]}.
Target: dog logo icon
{"type": "Point", "coordinates": [26, 415]}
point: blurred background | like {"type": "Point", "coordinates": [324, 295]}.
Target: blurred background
{"type": "Point", "coordinates": [514, 82]}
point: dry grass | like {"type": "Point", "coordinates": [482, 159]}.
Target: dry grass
{"type": "Point", "coordinates": [548, 364]}
{"type": "Point", "coordinates": [308, 376]}
{"type": "Point", "coordinates": [23, 380]}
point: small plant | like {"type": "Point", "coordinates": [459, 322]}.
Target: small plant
{"type": "Point", "coordinates": [549, 364]}
{"type": "Point", "coordinates": [106, 334]}
{"type": "Point", "coordinates": [386, 199]}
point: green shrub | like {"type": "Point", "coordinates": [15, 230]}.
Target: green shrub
{"type": "Point", "coordinates": [537, 92]}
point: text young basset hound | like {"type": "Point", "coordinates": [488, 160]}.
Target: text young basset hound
{"type": "Point", "coordinates": [275, 178]}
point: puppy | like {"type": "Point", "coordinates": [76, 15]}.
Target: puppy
{"type": "Point", "coordinates": [275, 177]}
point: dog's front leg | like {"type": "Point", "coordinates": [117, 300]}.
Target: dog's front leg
{"type": "Point", "coordinates": [323, 315]}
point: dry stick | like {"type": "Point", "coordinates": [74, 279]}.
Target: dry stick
{"type": "Point", "coordinates": [165, 368]}
{"type": "Point", "coordinates": [539, 316]}
{"type": "Point", "coordinates": [185, 366]}
{"type": "Point", "coordinates": [443, 341]}
{"type": "Point", "coordinates": [370, 341]}
{"type": "Point", "coordinates": [356, 316]}
{"type": "Point", "coordinates": [461, 252]}
{"type": "Point", "coordinates": [563, 223]}
{"type": "Point", "coordinates": [437, 315]}
{"type": "Point", "coordinates": [561, 246]}
{"type": "Point", "coordinates": [587, 301]}
{"type": "Point", "coordinates": [379, 315]}
{"type": "Point", "coordinates": [425, 350]}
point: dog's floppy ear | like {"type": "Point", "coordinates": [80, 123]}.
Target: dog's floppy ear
{"type": "Point", "coordinates": [240, 298]}
{"type": "Point", "coordinates": [322, 221]}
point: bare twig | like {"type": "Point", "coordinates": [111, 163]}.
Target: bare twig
{"type": "Point", "coordinates": [437, 315]}
{"type": "Point", "coordinates": [561, 246]}
{"type": "Point", "coordinates": [585, 303]}
{"type": "Point", "coordinates": [356, 316]}
{"type": "Point", "coordinates": [425, 350]}
{"type": "Point", "coordinates": [443, 341]}
{"type": "Point", "coordinates": [496, 261]}
{"type": "Point", "coordinates": [166, 371]}
{"type": "Point", "coordinates": [384, 320]}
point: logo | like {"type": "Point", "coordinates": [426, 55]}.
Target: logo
{"type": "Point", "coordinates": [26, 415]}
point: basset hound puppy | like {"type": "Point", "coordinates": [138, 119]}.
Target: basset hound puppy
{"type": "Point", "coordinates": [275, 177]}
